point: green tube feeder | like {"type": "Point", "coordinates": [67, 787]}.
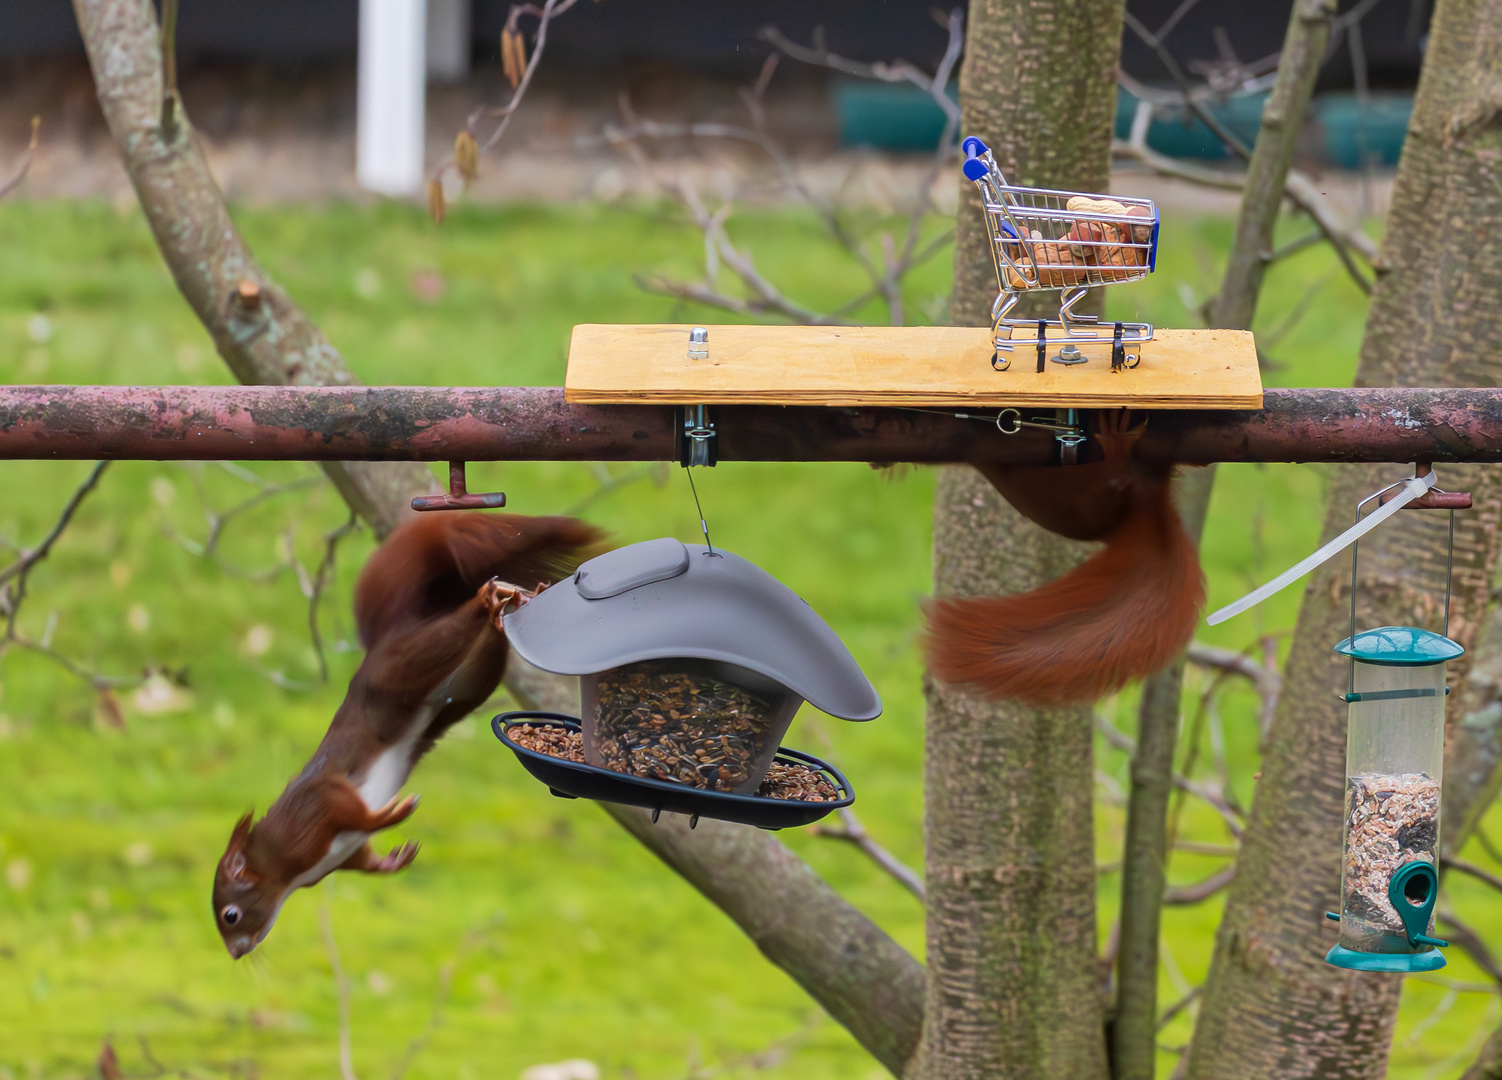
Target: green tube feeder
{"type": "Point", "coordinates": [1395, 748]}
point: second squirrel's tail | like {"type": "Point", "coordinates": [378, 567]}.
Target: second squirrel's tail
{"type": "Point", "coordinates": [434, 562]}
{"type": "Point", "coordinates": [1125, 612]}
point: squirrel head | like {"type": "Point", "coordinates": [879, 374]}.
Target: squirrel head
{"type": "Point", "coordinates": [244, 906]}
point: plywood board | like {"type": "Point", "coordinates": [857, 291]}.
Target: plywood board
{"type": "Point", "coordinates": [911, 365]}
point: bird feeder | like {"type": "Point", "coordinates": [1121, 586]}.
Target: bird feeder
{"type": "Point", "coordinates": [692, 664]}
{"type": "Point", "coordinates": [1395, 746]}
{"type": "Point", "coordinates": [1395, 749]}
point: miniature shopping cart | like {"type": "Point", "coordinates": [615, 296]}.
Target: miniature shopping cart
{"type": "Point", "coordinates": [1069, 241]}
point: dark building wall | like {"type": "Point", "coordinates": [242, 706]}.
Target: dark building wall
{"type": "Point", "coordinates": [724, 34]}
{"type": "Point", "coordinates": [270, 29]}
{"type": "Point", "coordinates": [1392, 33]}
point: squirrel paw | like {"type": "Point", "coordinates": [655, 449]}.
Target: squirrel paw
{"type": "Point", "coordinates": [393, 813]}
{"type": "Point", "coordinates": [498, 596]}
{"type": "Point", "coordinates": [396, 859]}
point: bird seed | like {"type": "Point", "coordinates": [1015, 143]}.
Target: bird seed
{"type": "Point", "coordinates": [797, 783]}
{"type": "Point", "coordinates": [1390, 820]}
{"type": "Point", "coordinates": [695, 730]}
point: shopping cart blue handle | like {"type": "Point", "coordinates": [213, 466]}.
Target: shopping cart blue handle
{"type": "Point", "coordinates": [974, 167]}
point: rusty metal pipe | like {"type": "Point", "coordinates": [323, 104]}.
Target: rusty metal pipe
{"type": "Point", "coordinates": [512, 423]}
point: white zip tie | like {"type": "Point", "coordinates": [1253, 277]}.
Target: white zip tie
{"type": "Point", "coordinates": [1413, 487]}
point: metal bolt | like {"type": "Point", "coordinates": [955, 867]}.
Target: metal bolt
{"type": "Point", "coordinates": [1070, 354]}
{"type": "Point", "coordinates": [698, 343]}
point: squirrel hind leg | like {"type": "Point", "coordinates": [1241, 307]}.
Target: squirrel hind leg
{"type": "Point", "coordinates": [394, 812]}
{"type": "Point", "coordinates": [367, 861]}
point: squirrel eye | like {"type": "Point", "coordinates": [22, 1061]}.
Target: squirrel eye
{"type": "Point", "coordinates": [230, 915]}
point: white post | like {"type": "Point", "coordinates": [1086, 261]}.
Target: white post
{"type": "Point", "coordinates": [448, 40]}
{"type": "Point", "coordinates": [389, 122]}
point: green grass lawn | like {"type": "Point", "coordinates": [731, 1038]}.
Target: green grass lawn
{"type": "Point", "coordinates": [541, 930]}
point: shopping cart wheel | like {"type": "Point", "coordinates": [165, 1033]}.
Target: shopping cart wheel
{"type": "Point", "coordinates": [999, 362]}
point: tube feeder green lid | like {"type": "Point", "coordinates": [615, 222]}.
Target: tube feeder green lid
{"type": "Point", "coordinates": [1400, 646]}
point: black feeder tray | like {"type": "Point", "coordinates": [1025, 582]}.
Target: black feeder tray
{"type": "Point", "coordinates": [573, 780]}
{"type": "Point", "coordinates": [692, 664]}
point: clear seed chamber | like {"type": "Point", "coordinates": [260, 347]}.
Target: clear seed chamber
{"type": "Point", "coordinates": [705, 723]}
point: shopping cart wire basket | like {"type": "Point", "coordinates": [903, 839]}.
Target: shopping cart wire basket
{"type": "Point", "coordinates": [1065, 241]}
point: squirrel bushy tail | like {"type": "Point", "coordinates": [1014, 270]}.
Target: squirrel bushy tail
{"type": "Point", "coordinates": [434, 562]}
{"type": "Point", "coordinates": [1125, 612]}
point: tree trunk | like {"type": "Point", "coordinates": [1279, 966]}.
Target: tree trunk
{"type": "Point", "coordinates": [1134, 1025]}
{"type": "Point", "coordinates": [1473, 745]}
{"type": "Point", "coordinates": [1272, 1007]}
{"type": "Point", "coordinates": [1014, 984]}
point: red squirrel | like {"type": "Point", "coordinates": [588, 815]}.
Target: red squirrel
{"type": "Point", "coordinates": [428, 605]}
{"type": "Point", "coordinates": [1125, 612]}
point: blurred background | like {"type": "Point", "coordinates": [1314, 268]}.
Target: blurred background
{"type": "Point", "coordinates": [272, 86]}
{"type": "Point", "coordinates": [533, 938]}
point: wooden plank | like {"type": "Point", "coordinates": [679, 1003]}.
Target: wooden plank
{"type": "Point", "coordinates": [907, 365]}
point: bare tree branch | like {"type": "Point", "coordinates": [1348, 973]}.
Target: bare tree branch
{"type": "Point", "coordinates": [519, 70]}
{"type": "Point", "coordinates": [1190, 98]}
{"type": "Point", "coordinates": [1183, 895]}
{"type": "Point", "coordinates": [544, 15]}
{"type": "Point", "coordinates": [219, 520]}
{"type": "Point", "coordinates": [23, 566]}
{"type": "Point", "coordinates": [314, 585]}
{"type": "Point", "coordinates": [445, 990]}
{"type": "Point", "coordinates": [886, 273]}
{"type": "Point", "coordinates": [342, 985]}
{"type": "Point", "coordinates": [24, 166]}
{"type": "Point", "coordinates": [1450, 862]}
{"type": "Point", "coordinates": [1178, 1007]}
{"type": "Point", "coordinates": [1299, 189]}
{"type": "Point", "coordinates": [1460, 934]}
{"type": "Point", "coordinates": [852, 831]}
{"type": "Point", "coordinates": [13, 579]}
{"type": "Point", "coordinates": [1122, 741]}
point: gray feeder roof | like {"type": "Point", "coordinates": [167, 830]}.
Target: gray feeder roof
{"type": "Point", "coordinates": [660, 599]}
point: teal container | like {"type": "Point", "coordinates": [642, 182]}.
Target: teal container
{"type": "Point", "coordinates": [1178, 132]}
{"type": "Point", "coordinates": [902, 118]}
{"type": "Point", "coordinates": [1357, 135]}
{"type": "Point", "coordinates": [889, 116]}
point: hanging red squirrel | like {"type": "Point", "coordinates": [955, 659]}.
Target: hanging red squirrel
{"type": "Point", "coordinates": [428, 606]}
{"type": "Point", "coordinates": [1127, 611]}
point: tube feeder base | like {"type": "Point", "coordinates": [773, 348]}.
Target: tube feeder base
{"type": "Point", "coordinates": [1401, 963]}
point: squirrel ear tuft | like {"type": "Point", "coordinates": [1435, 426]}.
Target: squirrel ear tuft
{"type": "Point", "coordinates": [234, 855]}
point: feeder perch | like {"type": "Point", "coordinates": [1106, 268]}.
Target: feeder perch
{"type": "Point", "coordinates": [692, 664]}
